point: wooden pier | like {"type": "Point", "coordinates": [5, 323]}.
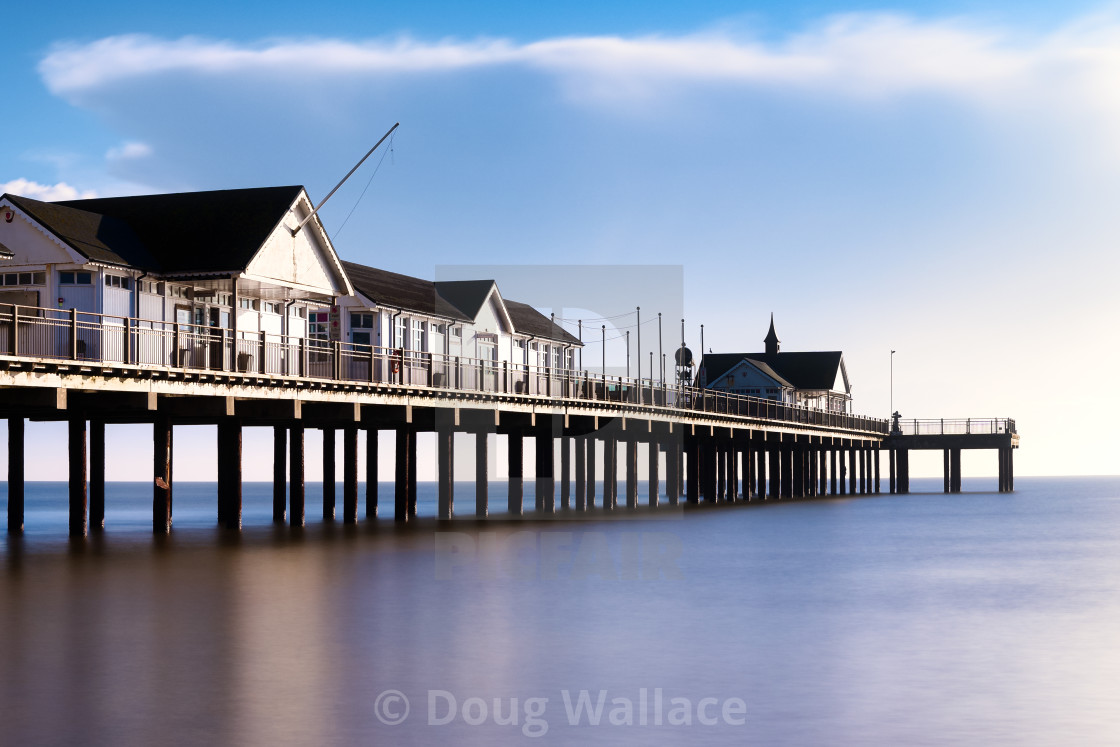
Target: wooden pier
{"type": "Point", "coordinates": [950, 436]}
{"type": "Point", "coordinates": [714, 447]}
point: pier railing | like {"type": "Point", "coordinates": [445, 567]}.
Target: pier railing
{"type": "Point", "coordinates": [83, 337]}
{"type": "Point", "coordinates": [956, 426]}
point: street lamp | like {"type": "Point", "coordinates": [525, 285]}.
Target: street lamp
{"type": "Point", "coordinates": [892, 382]}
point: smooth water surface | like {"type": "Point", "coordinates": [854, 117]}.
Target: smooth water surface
{"type": "Point", "coordinates": [978, 618]}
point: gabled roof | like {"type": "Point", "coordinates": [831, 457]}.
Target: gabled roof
{"type": "Point", "coordinates": [529, 321]}
{"type": "Point", "coordinates": [810, 370]}
{"type": "Point", "coordinates": [213, 231]}
{"type": "Point", "coordinates": [763, 367]}
{"type": "Point", "coordinates": [465, 295]}
{"type": "Point", "coordinates": [96, 237]}
{"type": "Point", "coordinates": [402, 292]}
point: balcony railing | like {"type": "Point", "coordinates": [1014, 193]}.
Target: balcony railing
{"type": "Point", "coordinates": [52, 334]}
{"type": "Point", "coordinates": [956, 426]}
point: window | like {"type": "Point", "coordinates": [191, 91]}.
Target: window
{"type": "Point", "coordinates": [74, 278]}
{"type": "Point", "coordinates": [178, 291]}
{"type": "Point", "coordinates": [147, 286]}
{"type": "Point", "coordinates": [116, 281]}
{"type": "Point", "coordinates": [361, 326]}
{"type": "Point", "coordinates": [245, 303]}
{"type": "Point", "coordinates": [25, 278]}
{"type": "Point", "coordinates": [271, 307]}
{"type": "Point", "coordinates": [398, 332]}
{"type": "Point", "coordinates": [297, 311]}
{"type": "Point", "coordinates": [456, 331]}
{"type": "Point", "coordinates": [418, 335]}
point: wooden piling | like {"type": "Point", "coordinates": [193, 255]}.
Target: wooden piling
{"type": "Point", "coordinates": [77, 454]}
{"type": "Point", "coordinates": [229, 473]}
{"type": "Point", "coordinates": [565, 473]}
{"type": "Point", "coordinates": [350, 474]}
{"type": "Point", "coordinates": [279, 474]}
{"type": "Point", "coordinates": [328, 474]}
{"type": "Point", "coordinates": [581, 472]}
{"type": "Point", "coordinates": [653, 472]}
{"type": "Point", "coordinates": [297, 491]}
{"type": "Point", "coordinates": [631, 472]}
{"type": "Point", "coordinates": [481, 475]}
{"type": "Point", "coordinates": [445, 468]}
{"type": "Point", "coordinates": [545, 484]}
{"type": "Point", "coordinates": [16, 455]}
{"type": "Point", "coordinates": [371, 473]}
{"type": "Point", "coordinates": [97, 475]}
{"type": "Point", "coordinates": [161, 469]}
{"type": "Point", "coordinates": [516, 462]}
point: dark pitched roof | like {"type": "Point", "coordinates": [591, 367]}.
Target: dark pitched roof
{"type": "Point", "coordinates": [97, 237]}
{"type": "Point", "coordinates": [214, 231]}
{"type": "Point", "coordinates": [401, 291]}
{"type": "Point", "coordinates": [811, 370]}
{"type": "Point", "coordinates": [529, 321]}
{"type": "Point", "coordinates": [465, 295]}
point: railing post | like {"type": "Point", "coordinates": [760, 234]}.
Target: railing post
{"type": "Point", "coordinates": [431, 379]}
{"type": "Point", "coordinates": [263, 368]}
{"type": "Point", "coordinates": [126, 354]}
{"type": "Point", "coordinates": [14, 346]}
{"type": "Point", "coordinates": [372, 355]}
{"type": "Point", "coordinates": [302, 356]}
{"type": "Point", "coordinates": [73, 334]}
{"type": "Point", "coordinates": [176, 346]}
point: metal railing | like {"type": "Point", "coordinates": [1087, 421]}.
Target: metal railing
{"type": "Point", "coordinates": [955, 426]}
{"type": "Point", "coordinates": [84, 337]}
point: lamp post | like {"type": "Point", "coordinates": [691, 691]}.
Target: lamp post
{"type": "Point", "coordinates": [604, 341]}
{"type": "Point", "coordinates": [628, 354]}
{"type": "Point", "coordinates": [892, 383]}
{"type": "Point", "coordinates": [639, 326]}
{"type": "Point", "coordinates": [660, 354]}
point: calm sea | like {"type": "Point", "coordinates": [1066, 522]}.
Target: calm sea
{"type": "Point", "coordinates": [977, 618]}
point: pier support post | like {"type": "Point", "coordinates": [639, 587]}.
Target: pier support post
{"type": "Point", "coordinates": [565, 473]}
{"type": "Point", "coordinates": [328, 474]}
{"type": "Point", "coordinates": [16, 452]}
{"type": "Point", "coordinates": [481, 475]}
{"type": "Point", "coordinates": [852, 469]}
{"type": "Point", "coordinates": [673, 470]}
{"type": "Point", "coordinates": [371, 473]}
{"type": "Point", "coordinates": [865, 464]}
{"type": "Point", "coordinates": [591, 472]}
{"type": "Point", "coordinates": [787, 469]}
{"type": "Point", "coordinates": [545, 489]}
{"type": "Point", "coordinates": [445, 455]}
{"type": "Point", "coordinates": [77, 448]}
{"type": "Point", "coordinates": [719, 464]}
{"type": "Point", "coordinates": [709, 465]}
{"type": "Point", "coordinates": [610, 471]}
{"type": "Point", "coordinates": [1010, 469]}
{"type": "Point", "coordinates": [955, 466]}
{"type": "Point", "coordinates": [892, 469]}
{"type": "Point", "coordinates": [229, 473]}
{"type": "Point", "coordinates": [833, 471]}
{"type": "Point", "coordinates": [948, 471]}
{"type": "Point", "coordinates": [654, 471]}
{"type": "Point", "coordinates": [97, 475]}
{"type": "Point", "coordinates": [631, 472]}
{"type": "Point", "coordinates": [405, 455]}
{"type": "Point", "coordinates": [296, 487]}
{"type": "Point", "coordinates": [903, 471]}
{"type": "Point", "coordinates": [774, 459]}
{"type": "Point", "coordinates": [350, 474]}
{"type": "Point", "coordinates": [279, 474]}
{"type": "Point", "coordinates": [296, 512]}
{"type": "Point", "coordinates": [516, 458]}
{"type": "Point", "coordinates": [581, 473]}
{"type": "Point", "coordinates": [161, 479]}
{"type": "Point", "coordinates": [877, 450]}
{"type": "Point", "coordinates": [797, 465]}
{"type": "Point", "coordinates": [822, 471]}
{"type": "Point", "coordinates": [692, 466]}
{"type": "Point", "coordinates": [760, 472]}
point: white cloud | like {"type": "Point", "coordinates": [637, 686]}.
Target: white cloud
{"type": "Point", "coordinates": [47, 192]}
{"type": "Point", "coordinates": [129, 151]}
{"type": "Point", "coordinates": [857, 54]}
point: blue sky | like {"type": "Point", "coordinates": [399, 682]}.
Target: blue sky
{"type": "Point", "coordinates": [936, 178]}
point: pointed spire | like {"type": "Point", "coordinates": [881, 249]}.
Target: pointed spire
{"type": "Point", "coordinates": [772, 341]}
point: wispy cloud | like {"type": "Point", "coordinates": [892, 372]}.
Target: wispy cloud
{"type": "Point", "coordinates": [856, 54]}
{"type": "Point", "coordinates": [129, 151]}
{"type": "Point", "coordinates": [48, 192]}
